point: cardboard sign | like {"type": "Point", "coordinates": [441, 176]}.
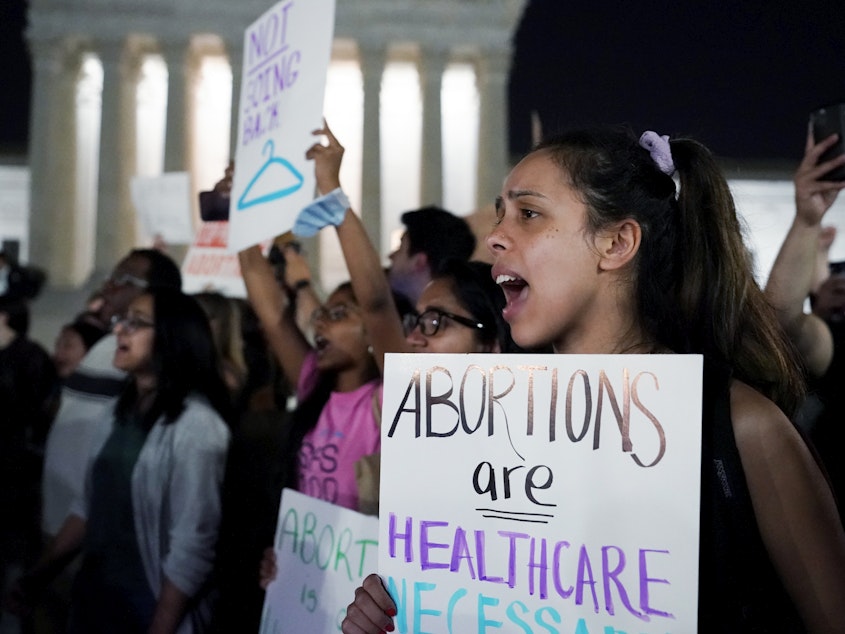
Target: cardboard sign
{"type": "Point", "coordinates": [323, 553]}
{"type": "Point", "coordinates": [163, 204]}
{"type": "Point", "coordinates": [210, 266]}
{"type": "Point", "coordinates": [286, 58]}
{"type": "Point", "coordinates": [541, 493]}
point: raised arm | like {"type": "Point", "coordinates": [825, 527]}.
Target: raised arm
{"type": "Point", "coordinates": [369, 282]}
{"type": "Point", "coordinates": [287, 342]}
{"type": "Point", "coordinates": [300, 285]}
{"type": "Point", "coordinates": [792, 276]}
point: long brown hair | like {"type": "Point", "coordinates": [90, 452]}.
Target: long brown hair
{"type": "Point", "coordinates": [694, 282]}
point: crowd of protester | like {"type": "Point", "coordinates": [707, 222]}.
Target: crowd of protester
{"type": "Point", "coordinates": [138, 479]}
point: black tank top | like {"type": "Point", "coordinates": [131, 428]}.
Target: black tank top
{"type": "Point", "coordinates": [739, 590]}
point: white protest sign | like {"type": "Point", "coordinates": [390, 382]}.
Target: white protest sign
{"type": "Point", "coordinates": [286, 58]}
{"type": "Point", "coordinates": [541, 493]}
{"type": "Point", "coordinates": [323, 553]}
{"type": "Point", "coordinates": [163, 204]}
{"type": "Point", "coordinates": [210, 266]}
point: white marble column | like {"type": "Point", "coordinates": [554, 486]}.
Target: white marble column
{"type": "Point", "coordinates": [177, 138]}
{"type": "Point", "coordinates": [432, 63]}
{"type": "Point", "coordinates": [179, 127]}
{"type": "Point", "coordinates": [234, 51]}
{"type": "Point", "coordinates": [52, 163]}
{"type": "Point", "coordinates": [118, 156]}
{"type": "Point", "coordinates": [492, 69]}
{"type": "Point", "coordinates": [372, 60]}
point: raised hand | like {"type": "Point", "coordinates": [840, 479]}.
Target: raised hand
{"type": "Point", "coordinates": [813, 197]}
{"type": "Point", "coordinates": [327, 159]}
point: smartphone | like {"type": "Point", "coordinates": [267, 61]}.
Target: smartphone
{"type": "Point", "coordinates": [826, 121]}
{"type": "Point", "coordinates": [214, 207]}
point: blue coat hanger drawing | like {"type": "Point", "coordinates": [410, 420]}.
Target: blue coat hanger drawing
{"type": "Point", "coordinates": [269, 182]}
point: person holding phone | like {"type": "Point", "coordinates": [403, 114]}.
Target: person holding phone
{"type": "Point", "coordinates": [819, 336]}
{"type": "Point", "coordinates": [826, 122]}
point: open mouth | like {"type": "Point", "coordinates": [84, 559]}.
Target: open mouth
{"type": "Point", "coordinates": [515, 289]}
{"type": "Point", "coordinates": [512, 285]}
{"type": "Point", "coordinates": [320, 343]}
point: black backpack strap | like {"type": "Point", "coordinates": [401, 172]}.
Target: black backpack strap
{"type": "Point", "coordinates": [739, 590]}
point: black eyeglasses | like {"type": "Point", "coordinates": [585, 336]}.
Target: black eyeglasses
{"type": "Point", "coordinates": [125, 279]}
{"type": "Point", "coordinates": [338, 312]}
{"type": "Point", "coordinates": [429, 321]}
{"type": "Point", "coordinates": [130, 325]}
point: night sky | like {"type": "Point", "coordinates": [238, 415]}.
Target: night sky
{"type": "Point", "coordinates": [739, 75]}
{"type": "Point", "coordinates": [14, 78]}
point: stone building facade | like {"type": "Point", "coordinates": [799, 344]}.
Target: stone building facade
{"type": "Point", "coordinates": [82, 219]}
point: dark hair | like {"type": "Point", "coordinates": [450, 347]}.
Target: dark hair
{"type": "Point", "coordinates": [404, 306]}
{"type": "Point", "coordinates": [304, 418]}
{"type": "Point", "coordinates": [23, 282]}
{"type": "Point", "coordinates": [474, 288]}
{"type": "Point", "coordinates": [695, 288]}
{"type": "Point", "coordinates": [163, 271]}
{"type": "Point", "coordinates": [262, 367]}
{"type": "Point", "coordinates": [439, 234]}
{"type": "Point", "coordinates": [17, 314]}
{"type": "Point", "coordinates": [228, 336]}
{"type": "Point", "coordinates": [184, 359]}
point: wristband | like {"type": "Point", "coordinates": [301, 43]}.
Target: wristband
{"type": "Point", "coordinates": [324, 211]}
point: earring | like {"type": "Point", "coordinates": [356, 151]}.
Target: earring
{"type": "Point", "coordinates": [369, 349]}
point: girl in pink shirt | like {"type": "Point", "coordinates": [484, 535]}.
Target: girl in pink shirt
{"type": "Point", "coordinates": [337, 379]}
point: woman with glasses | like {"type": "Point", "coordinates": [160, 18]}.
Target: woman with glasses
{"type": "Point", "coordinates": [149, 522]}
{"type": "Point", "coordinates": [336, 378]}
{"type": "Point", "coordinates": [460, 311]}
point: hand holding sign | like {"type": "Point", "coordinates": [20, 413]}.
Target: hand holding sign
{"type": "Point", "coordinates": [267, 569]}
{"type": "Point", "coordinates": [371, 610]}
{"type": "Point", "coordinates": [286, 57]}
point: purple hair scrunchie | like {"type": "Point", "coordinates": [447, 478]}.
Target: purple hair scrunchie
{"type": "Point", "coordinates": [658, 148]}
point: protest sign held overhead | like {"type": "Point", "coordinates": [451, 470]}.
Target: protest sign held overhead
{"type": "Point", "coordinates": [286, 57]}
{"type": "Point", "coordinates": [163, 205]}
{"type": "Point", "coordinates": [210, 266]}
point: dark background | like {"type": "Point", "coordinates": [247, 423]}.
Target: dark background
{"type": "Point", "coordinates": [739, 75]}
{"type": "Point", "coordinates": [15, 78]}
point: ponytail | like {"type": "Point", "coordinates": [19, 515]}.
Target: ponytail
{"type": "Point", "coordinates": [694, 286]}
{"type": "Point", "coordinates": [727, 315]}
